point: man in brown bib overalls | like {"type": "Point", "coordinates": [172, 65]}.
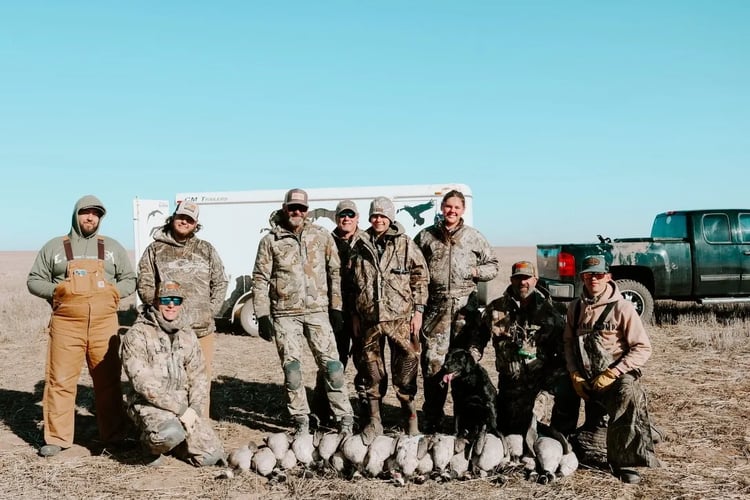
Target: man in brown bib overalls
{"type": "Point", "coordinates": [83, 276]}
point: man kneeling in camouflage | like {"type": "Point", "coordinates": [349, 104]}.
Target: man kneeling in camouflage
{"type": "Point", "coordinates": [168, 385]}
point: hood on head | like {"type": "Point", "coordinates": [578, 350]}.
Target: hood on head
{"type": "Point", "coordinates": [88, 201]}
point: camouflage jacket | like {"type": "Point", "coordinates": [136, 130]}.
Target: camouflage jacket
{"type": "Point", "coordinates": [622, 343]}
{"type": "Point", "coordinates": [345, 248]}
{"type": "Point", "coordinates": [196, 266]}
{"type": "Point", "coordinates": [528, 337]}
{"type": "Point", "coordinates": [296, 273]}
{"type": "Point", "coordinates": [165, 370]}
{"type": "Point", "coordinates": [452, 256]}
{"type": "Point", "coordinates": [388, 286]}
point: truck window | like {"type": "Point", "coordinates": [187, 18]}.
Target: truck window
{"type": "Point", "coordinates": [716, 228]}
{"type": "Point", "coordinates": [669, 226]}
{"type": "Point", "coordinates": [745, 228]}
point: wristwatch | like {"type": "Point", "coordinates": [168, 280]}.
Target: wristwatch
{"type": "Point", "coordinates": [419, 308]}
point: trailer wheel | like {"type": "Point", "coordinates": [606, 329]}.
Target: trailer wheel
{"type": "Point", "coordinates": [638, 294]}
{"type": "Point", "coordinates": [247, 319]}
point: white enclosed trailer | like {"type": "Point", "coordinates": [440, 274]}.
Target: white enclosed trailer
{"type": "Point", "coordinates": [235, 221]}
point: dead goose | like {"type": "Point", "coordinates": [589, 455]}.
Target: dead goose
{"type": "Point", "coordinates": [303, 448]}
{"type": "Point", "coordinates": [264, 461]}
{"type": "Point", "coordinates": [549, 452]}
{"type": "Point", "coordinates": [278, 442]}
{"type": "Point", "coordinates": [380, 449]}
{"type": "Point", "coordinates": [489, 453]}
{"type": "Point", "coordinates": [241, 458]}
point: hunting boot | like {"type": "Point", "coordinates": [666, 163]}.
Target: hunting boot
{"type": "Point", "coordinates": [301, 426]}
{"type": "Point", "coordinates": [374, 427]}
{"type": "Point", "coordinates": [346, 425]}
{"type": "Point", "coordinates": [409, 410]}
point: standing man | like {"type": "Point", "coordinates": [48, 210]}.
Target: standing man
{"type": "Point", "coordinates": [177, 254]}
{"type": "Point", "coordinates": [526, 327]}
{"type": "Point", "coordinates": [345, 235]}
{"type": "Point", "coordinates": [606, 346]}
{"type": "Point", "coordinates": [391, 289]}
{"type": "Point", "coordinates": [458, 257]}
{"type": "Point", "coordinates": [83, 276]}
{"type": "Point", "coordinates": [297, 298]}
{"type": "Point", "coordinates": [168, 383]}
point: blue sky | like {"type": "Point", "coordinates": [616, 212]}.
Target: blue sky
{"type": "Point", "coordinates": [567, 119]}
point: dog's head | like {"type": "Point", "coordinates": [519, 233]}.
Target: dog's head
{"type": "Point", "coordinates": [458, 362]}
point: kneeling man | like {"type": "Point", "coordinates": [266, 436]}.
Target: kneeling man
{"type": "Point", "coordinates": [168, 386]}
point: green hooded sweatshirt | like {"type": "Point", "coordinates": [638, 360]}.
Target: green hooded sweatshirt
{"type": "Point", "coordinates": [51, 265]}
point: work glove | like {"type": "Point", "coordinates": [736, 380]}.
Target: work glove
{"type": "Point", "coordinates": [188, 419]}
{"type": "Point", "coordinates": [604, 380]}
{"type": "Point", "coordinates": [580, 385]}
{"type": "Point", "coordinates": [265, 328]}
{"type": "Point", "coordinates": [337, 320]}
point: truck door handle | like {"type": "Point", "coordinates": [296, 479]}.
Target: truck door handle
{"type": "Point", "coordinates": [746, 252]}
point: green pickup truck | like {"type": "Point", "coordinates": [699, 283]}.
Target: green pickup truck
{"type": "Point", "coordinates": [692, 255]}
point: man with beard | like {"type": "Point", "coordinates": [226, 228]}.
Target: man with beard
{"type": "Point", "coordinates": [526, 327]}
{"type": "Point", "coordinates": [83, 276]}
{"type": "Point", "coordinates": [177, 254]}
{"type": "Point", "coordinates": [297, 299]}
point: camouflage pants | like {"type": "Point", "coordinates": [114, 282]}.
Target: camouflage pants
{"type": "Point", "coordinates": [629, 439]}
{"type": "Point", "coordinates": [516, 398]}
{"type": "Point", "coordinates": [448, 322]}
{"type": "Point", "coordinates": [404, 359]}
{"type": "Point", "coordinates": [345, 342]}
{"type": "Point", "coordinates": [162, 432]}
{"type": "Point", "coordinates": [314, 329]}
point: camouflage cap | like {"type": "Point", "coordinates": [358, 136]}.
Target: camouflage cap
{"type": "Point", "coordinates": [347, 205]}
{"type": "Point", "coordinates": [170, 289]}
{"type": "Point", "coordinates": [594, 264]}
{"type": "Point", "coordinates": [383, 206]}
{"type": "Point", "coordinates": [523, 268]}
{"type": "Point", "coordinates": [296, 196]}
{"type": "Point", "coordinates": [188, 208]}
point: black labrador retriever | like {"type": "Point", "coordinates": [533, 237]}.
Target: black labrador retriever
{"type": "Point", "coordinates": [473, 394]}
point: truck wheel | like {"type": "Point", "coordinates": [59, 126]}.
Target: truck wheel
{"type": "Point", "coordinates": [638, 294]}
{"type": "Point", "coordinates": [247, 319]}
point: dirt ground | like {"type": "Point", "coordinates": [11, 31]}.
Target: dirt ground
{"type": "Point", "coordinates": [697, 381]}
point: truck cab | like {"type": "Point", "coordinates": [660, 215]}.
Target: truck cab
{"type": "Point", "coordinates": [695, 255]}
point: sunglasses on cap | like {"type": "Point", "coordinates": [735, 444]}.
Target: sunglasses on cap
{"type": "Point", "coordinates": [346, 213]}
{"type": "Point", "coordinates": [165, 301]}
{"type": "Point", "coordinates": [296, 208]}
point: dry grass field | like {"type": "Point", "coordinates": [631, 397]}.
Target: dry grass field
{"type": "Point", "coordinates": [698, 381]}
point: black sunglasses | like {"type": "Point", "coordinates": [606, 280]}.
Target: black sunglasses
{"type": "Point", "coordinates": [296, 208]}
{"type": "Point", "coordinates": [165, 301]}
{"type": "Point", "coordinates": [346, 213]}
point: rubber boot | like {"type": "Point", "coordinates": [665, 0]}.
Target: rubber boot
{"type": "Point", "coordinates": [409, 410]}
{"type": "Point", "coordinates": [374, 427]}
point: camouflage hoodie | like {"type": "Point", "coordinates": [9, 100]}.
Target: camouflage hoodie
{"type": "Point", "coordinates": [164, 364]}
{"type": "Point", "coordinates": [622, 344]}
{"type": "Point", "coordinates": [346, 248]}
{"type": "Point", "coordinates": [388, 286]}
{"type": "Point", "coordinates": [296, 273]}
{"type": "Point", "coordinates": [451, 257]}
{"type": "Point", "coordinates": [51, 265]}
{"type": "Point", "coordinates": [196, 266]}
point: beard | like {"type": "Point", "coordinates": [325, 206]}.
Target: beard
{"type": "Point", "coordinates": [295, 221]}
{"type": "Point", "coordinates": [524, 293]}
